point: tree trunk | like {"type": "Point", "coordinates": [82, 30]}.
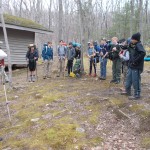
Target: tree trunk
{"type": "Point", "coordinates": [79, 4]}
{"type": "Point", "coordinates": [60, 21]}
{"type": "Point", "coordinates": [141, 18]}
{"type": "Point", "coordinates": [38, 10]}
{"type": "Point", "coordinates": [20, 12]}
{"type": "Point", "coordinates": [131, 16]}
{"type": "Point", "coordinates": [50, 19]}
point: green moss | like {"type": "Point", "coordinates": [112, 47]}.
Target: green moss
{"type": "Point", "coordinates": [93, 118]}
{"type": "Point", "coordinates": [62, 136]}
{"type": "Point", "coordinates": [146, 142]}
{"type": "Point", "coordinates": [14, 20]}
{"type": "Point", "coordinates": [117, 102]}
{"type": "Point", "coordinates": [96, 141]}
{"type": "Point", "coordinates": [17, 143]}
{"type": "Point", "coordinates": [136, 108]}
{"type": "Point", "coordinates": [52, 97]}
{"type": "Point", "coordinates": [145, 113]}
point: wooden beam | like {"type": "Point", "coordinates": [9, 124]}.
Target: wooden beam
{"type": "Point", "coordinates": [6, 42]}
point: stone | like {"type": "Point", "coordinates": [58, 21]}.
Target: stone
{"type": "Point", "coordinates": [81, 130]}
{"type": "Point", "coordinates": [38, 96]}
{"type": "Point", "coordinates": [88, 94]}
{"type": "Point", "coordinates": [16, 96]}
{"type": "Point", "coordinates": [35, 119]}
{"type": "Point", "coordinates": [7, 148]}
{"type": "Point", "coordinates": [76, 147]}
{"type": "Point", "coordinates": [47, 116]}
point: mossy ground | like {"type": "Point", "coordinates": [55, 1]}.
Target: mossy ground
{"type": "Point", "coordinates": [62, 105]}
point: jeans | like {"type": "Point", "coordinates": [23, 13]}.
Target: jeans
{"type": "Point", "coordinates": [133, 77]}
{"type": "Point", "coordinates": [103, 68]}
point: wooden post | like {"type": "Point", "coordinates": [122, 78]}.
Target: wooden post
{"type": "Point", "coordinates": [6, 42]}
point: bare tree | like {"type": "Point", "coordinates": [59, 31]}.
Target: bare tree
{"type": "Point", "coordinates": [60, 21]}
{"type": "Point", "coordinates": [141, 18]}
{"type": "Point", "coordinates": [131, 17]}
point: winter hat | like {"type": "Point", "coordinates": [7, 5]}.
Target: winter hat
{"type": "Point", "coordinates": [70, 43]}
{"type": "Point", "coordinates": [136, 36]}
{"type": "Point", "coordinates": [31, 45]}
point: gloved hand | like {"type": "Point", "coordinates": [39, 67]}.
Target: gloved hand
{"type": "Point", "coordinates": [121, 56]}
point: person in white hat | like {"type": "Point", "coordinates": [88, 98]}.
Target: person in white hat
{"type": "Point", "coordinates": [32, 57]}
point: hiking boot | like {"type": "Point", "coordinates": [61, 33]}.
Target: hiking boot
{"type": "Point", "coordinates": [136, 97]}
{"type": "Point", "coordinates": [1, 139]}
{"type": "Point", "coordinates": [49, 76]}
{"type": "Point", "coordinates": [100, 78]}
{"type": "Point", "coordinates": [112, 81]}
{"type": "Point", "coordinates": [103, 78]}
{"type": "Point", "coordinates": [44, 77]}
{"type": "Point", "coordinates": [125, 93]}
{"type": "Point", "coordinates": [30, 79]}
{"type": "Point", "coordinates": [33, 78]}
{"type": "Point", "coordinates": [94, 75]}
{"type": "Point", "coordinates": [90, 75]}
{"type": "Point", "coordinates": [117, 82]}
{"type": "Point", "coordinates": [6, 79]}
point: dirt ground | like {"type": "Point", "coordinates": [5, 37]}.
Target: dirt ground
{"type": "Point", "coordinates": [74, 114]}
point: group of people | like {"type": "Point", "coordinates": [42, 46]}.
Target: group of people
{"type": "Point", "coordinates": [127, 56]}
{"type": "Point", "coordinates": [70, 52]}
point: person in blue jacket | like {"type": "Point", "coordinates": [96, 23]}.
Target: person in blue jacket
{"type": "Point", "coordinates": [103, 59]}
{"type": "Point", "coordinates": [47, 54]}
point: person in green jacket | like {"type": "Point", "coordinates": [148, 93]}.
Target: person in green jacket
{"type": "Point", "coordinates": [116, 67]}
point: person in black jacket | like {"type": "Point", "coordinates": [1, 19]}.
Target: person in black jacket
{"type": "Point", "coordinates": [77, 52]}
{"type": "Point", "coordinates": [32, 57]}
{"type": "Point", "coordinates": [136, 65]}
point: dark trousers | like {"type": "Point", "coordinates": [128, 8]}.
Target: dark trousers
{"type": "Point", "coordinates": [116, 69]}
{"type": "Point", "coordinates": [70, 65]}
{"type": "Point", "coordinates": [133, 77]}
{"type": "Point", "coordinates": [92, 63]}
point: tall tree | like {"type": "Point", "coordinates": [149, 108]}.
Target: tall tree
{"type": "Point", "coordinates": [81, 16]}
{"type": "Point", "coordinates": [141, 18]}
{"type": "Point", "coordinates": [131, 17]}
{"type": "Point", "coordinates": [60, 21]}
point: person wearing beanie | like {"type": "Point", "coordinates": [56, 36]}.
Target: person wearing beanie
{"type": "Point", "coordinates": [70, 57]}
{"type": "Point", "coordinates": [136, 65]}
{"type": "Point", "coordinates": [136, 37]}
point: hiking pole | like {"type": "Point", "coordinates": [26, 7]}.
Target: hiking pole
{"type": "Point", "coordinates": [6, 98]}
{"type": "Point", "coordinates": [7, 103]}
{"type": "Point", "coordinates": [27, 71]}
{"type": "Point", "coordinates": [63, 68]}
{"type": "Point", "coordinates": [36, 70]}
